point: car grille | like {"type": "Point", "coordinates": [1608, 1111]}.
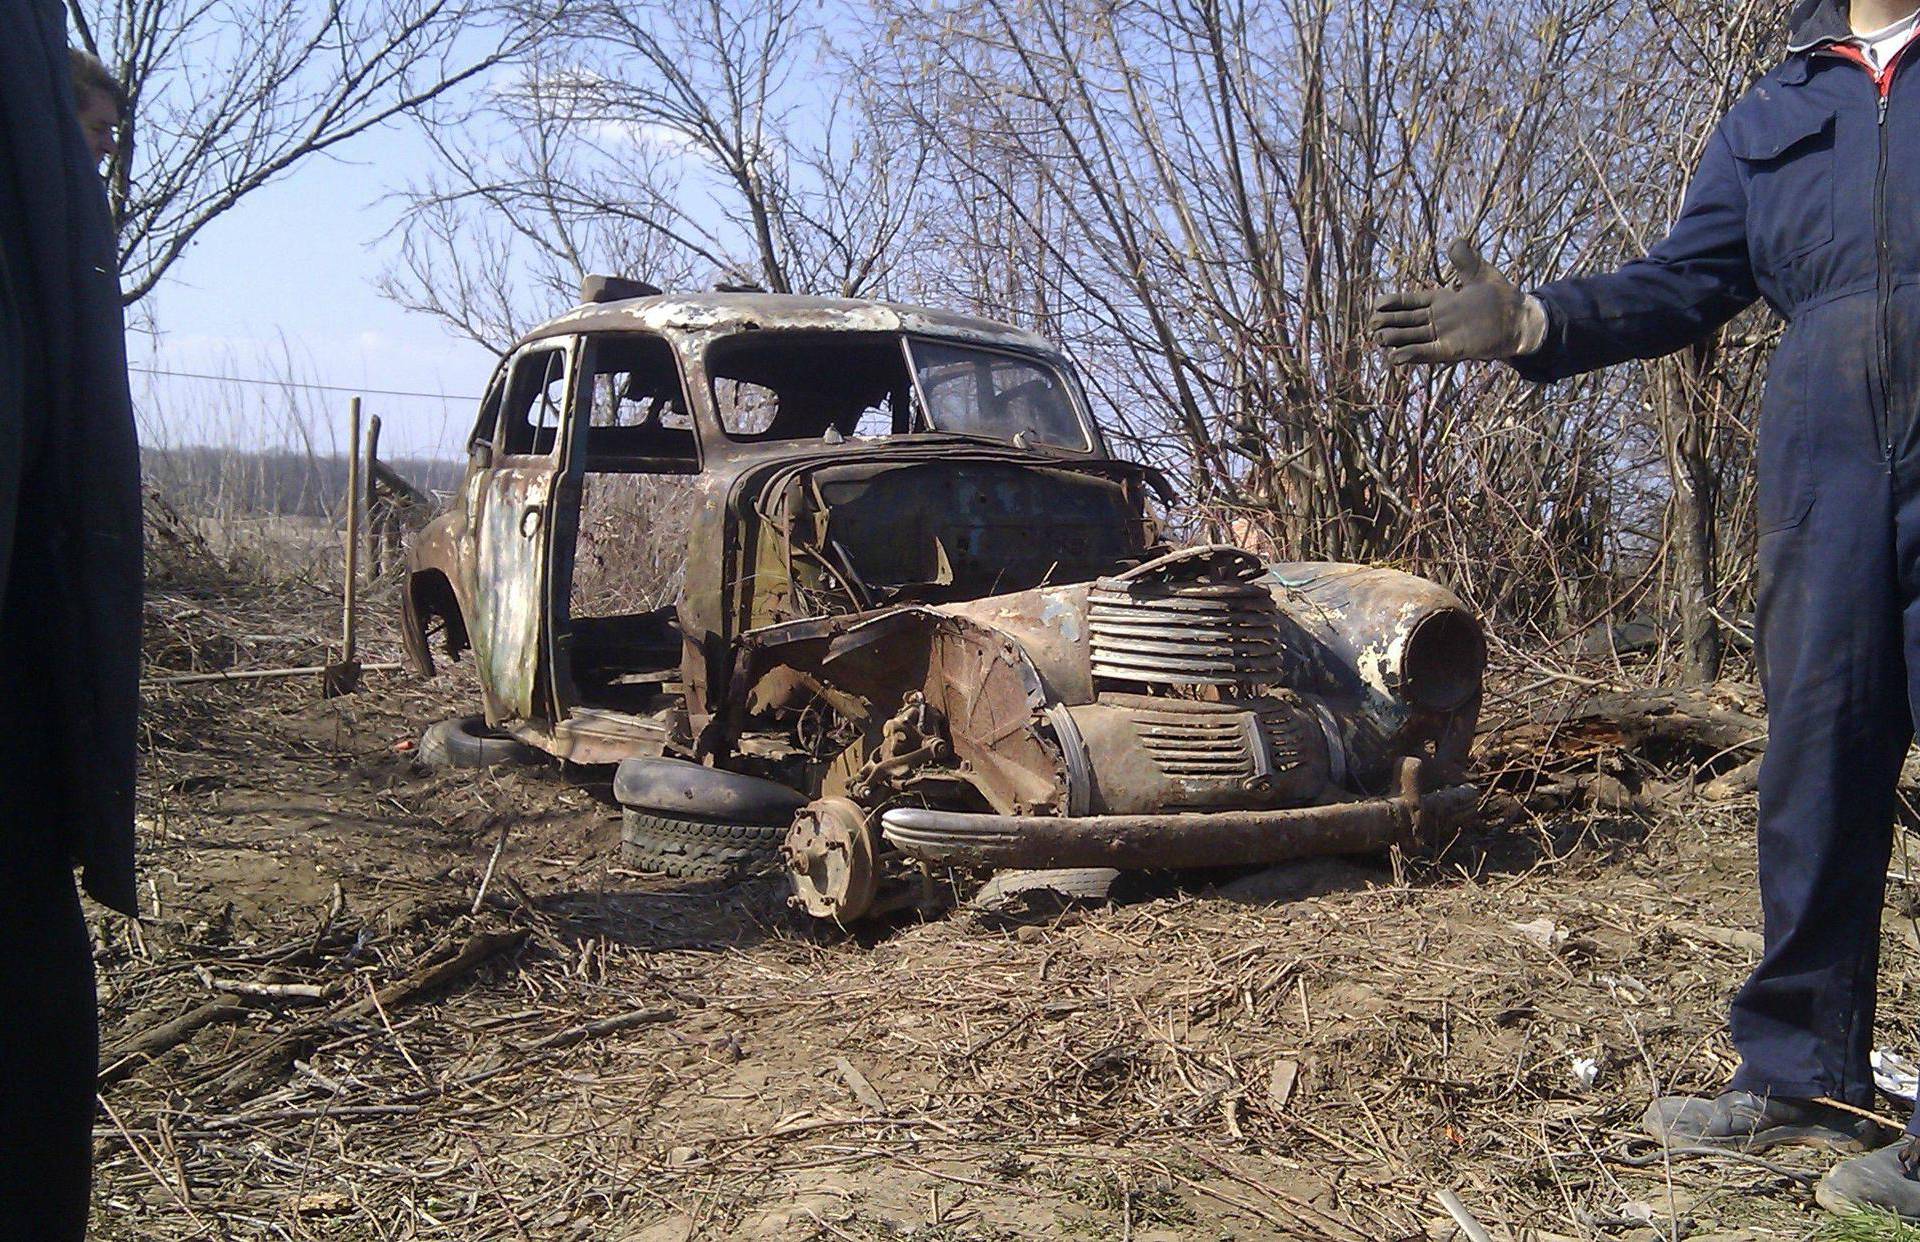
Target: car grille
{"type": "Point", "coordinates": [1296, 744]}
{"type": "Point", "coordinates": [1184, 634]}
{"type": "Point", "coordinates": [1270, 748]}
{"type": "Point", "coordinates": [1188, 744]}
{"type": "Point", "coordinates": [1221, 742]}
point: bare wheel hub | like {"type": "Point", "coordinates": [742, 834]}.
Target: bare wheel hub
{"type": "Point", "coordinates": [829, 853]}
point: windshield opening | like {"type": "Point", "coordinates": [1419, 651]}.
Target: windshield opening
{"type": "Point", "coordinates": [801, 385]}
{"type": "Point", "coordinates": [814, 385]}
{"type": "Point", "coordinates": [985, 392]}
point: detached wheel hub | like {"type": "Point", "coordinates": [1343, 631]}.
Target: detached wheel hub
{"type": "Point", "coordinates": [829, 853]}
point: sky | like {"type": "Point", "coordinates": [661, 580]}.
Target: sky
{"type": "Point", "coordinates": [285, 283]}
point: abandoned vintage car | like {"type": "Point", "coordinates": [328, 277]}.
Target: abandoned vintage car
{"type": "Point", "coordinates": [927, 623]}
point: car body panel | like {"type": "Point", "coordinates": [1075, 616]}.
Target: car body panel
{"type": "Point", "coordinates": [514, 503]}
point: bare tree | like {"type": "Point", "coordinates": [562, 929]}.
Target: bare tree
{"type": "Point", "coordinates": [1204, 196]}
{"type": "Point", "coordinates": [511, 217]}
{"type": "Point", "coordinates": [1201, 198]}
{"type": "Point", "coordinates": [228, 95]}
{"type": "Point", "coordinates": [722, 140]}
{"type": "Point", "coordinates": [1697, 399]}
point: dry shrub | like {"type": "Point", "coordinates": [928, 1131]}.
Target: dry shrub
{"type": "Point", "coordinates": [631, 554]}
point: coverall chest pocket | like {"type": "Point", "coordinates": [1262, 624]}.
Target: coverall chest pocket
{"type": "Point", "coordinates": [1789, 169]}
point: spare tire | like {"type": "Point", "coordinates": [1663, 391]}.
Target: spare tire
{"type": "Point", "coordinates": [698, 849]}
{"type": "Point", "coordinates": [470, 742]}
{"type": "Point", "coordinates": [698, 822]}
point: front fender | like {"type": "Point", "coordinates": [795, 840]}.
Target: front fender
{"type": "Point", "coordinates": [980, 681]}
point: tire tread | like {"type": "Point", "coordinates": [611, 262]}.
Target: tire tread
{"type": "Point", "coordinates": [697, 848]}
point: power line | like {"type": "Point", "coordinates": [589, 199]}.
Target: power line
{"type": "Point", "coordinates": [267, 383]}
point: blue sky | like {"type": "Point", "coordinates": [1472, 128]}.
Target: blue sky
{"type": "Point", "coordinates": [290, 274]}
{"type": "Point", "coordinates": [287, 281]}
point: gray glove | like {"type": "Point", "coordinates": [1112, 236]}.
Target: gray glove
{"type": "Point", "coordinates": [1480, 314]}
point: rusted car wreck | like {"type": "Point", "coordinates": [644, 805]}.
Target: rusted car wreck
{"type": "Point", "coordinates": [928, 624]}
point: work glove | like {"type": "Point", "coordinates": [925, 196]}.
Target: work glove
{"type": "Point", "coordinates": [1479, 314]}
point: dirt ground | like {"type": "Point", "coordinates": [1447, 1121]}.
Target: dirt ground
{"type": "Point", "coordinates": [1314, 1053]}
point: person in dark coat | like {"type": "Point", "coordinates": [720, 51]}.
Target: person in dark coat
{"type": "Point", "coordinates": [70, 581]}
{"type": "Point", "coordinates": [1807, 197]}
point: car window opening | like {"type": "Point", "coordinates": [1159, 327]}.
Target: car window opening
{"type": "Point", "coordinates": [638, 422]}
{"type": "Point", "coordinates": [807, 386]}
{"type": "Point", "coordinates": [999, 395]}
{"type": "Point", "coordinates": [530, 412]}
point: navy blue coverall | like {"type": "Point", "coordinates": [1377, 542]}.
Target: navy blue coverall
{"type": "Point", "coordinates": [1808, 196]}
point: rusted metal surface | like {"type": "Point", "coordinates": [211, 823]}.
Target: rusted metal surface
{"type": "Point", "coordinates": [1195, 617]}
{"type": "Point", "coordinates": [741, 570]}
{"type": "Point", "coordinates": [915, 737]}
{"type": "Point", "coordinates": [977, 682]}
{"type": "Point", "coordinates": [726, 314]}
{"type": "Point", "coordinates": [1195, 839]}
{"type": "Point", "coordinates": [510, 573]}
{"type": "Point", "coordinates": [490, 559]}
{"type": "Point", "coordinates": [1050, 624]}
{"type": "Point", "coordinates": [1153, 753]}
{"type": "Point", "coordinates": [935, 522]}
{"type": "Point", "coordinates": [855, 535]}
{"type": "Point", "coordinates": [592, 735]}
{"type": "Point", "coordinates": [829, 852]}
{"type": "Point", "coordinates": [1397, 658]}
{"type": "Point", "coordinates": [980, 643]}
{"type": "Point", "coordinates": [433, 598]}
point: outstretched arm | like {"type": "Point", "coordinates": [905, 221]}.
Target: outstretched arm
{"type": "Point", "coordinates": [1696, 279]}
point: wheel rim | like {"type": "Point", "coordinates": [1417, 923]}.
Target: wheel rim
{"type": "Point", "coordinates": [829, 857]}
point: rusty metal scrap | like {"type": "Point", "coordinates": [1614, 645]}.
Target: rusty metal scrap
{"type": "Point", "coordinates": [1193, 617]}
{"type": "Point", "coordinates": [952, 648]}
{"type": "Point", "coordinates": [1150, 752]}
{"type": "Point", "coordinates": [1192, 839]}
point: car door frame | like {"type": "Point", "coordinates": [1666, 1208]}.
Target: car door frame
{"type": "Point", "coordinates": [518, 512]}
{"type": "Point", "coordinates": [577, 432]}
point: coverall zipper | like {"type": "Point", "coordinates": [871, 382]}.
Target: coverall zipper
{"type": "Point", "coordinates": [1883, 282]}
{"type": "Point", "coordinates": [1883, 307]}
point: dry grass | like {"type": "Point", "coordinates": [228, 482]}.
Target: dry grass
{"type": "Point", "coordinates": [648, 1061]}
{"type": "Point", "coordinates": [633, 543]}
{"type": "Point", "coordinates": [1315, 1069]}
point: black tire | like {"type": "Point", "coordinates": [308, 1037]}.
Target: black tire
{"type": "Point", "coordinates": [470, 742]}
{"type": "Point", "coordinates": [697, 849]}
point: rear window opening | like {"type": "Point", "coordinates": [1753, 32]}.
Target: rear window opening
{"type": "Point", "coordinates": [639, 422]}
{"type": "Point", "coordinates": [798, 385]}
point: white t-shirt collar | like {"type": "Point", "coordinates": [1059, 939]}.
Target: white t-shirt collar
{"type": "Point", "coordinates": [1881, 45]}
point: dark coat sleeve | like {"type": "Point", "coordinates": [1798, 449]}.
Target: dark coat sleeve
{"type": "Point", "coordinates": [70, 513]}
{"type": "Point", "coordinates": [1696, 279]}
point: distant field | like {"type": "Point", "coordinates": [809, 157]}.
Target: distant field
{"type": "Point", "coordinates": [225, 481]}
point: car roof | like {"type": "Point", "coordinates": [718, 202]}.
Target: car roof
{"type": "Point", "coordinates": [722, 314]}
